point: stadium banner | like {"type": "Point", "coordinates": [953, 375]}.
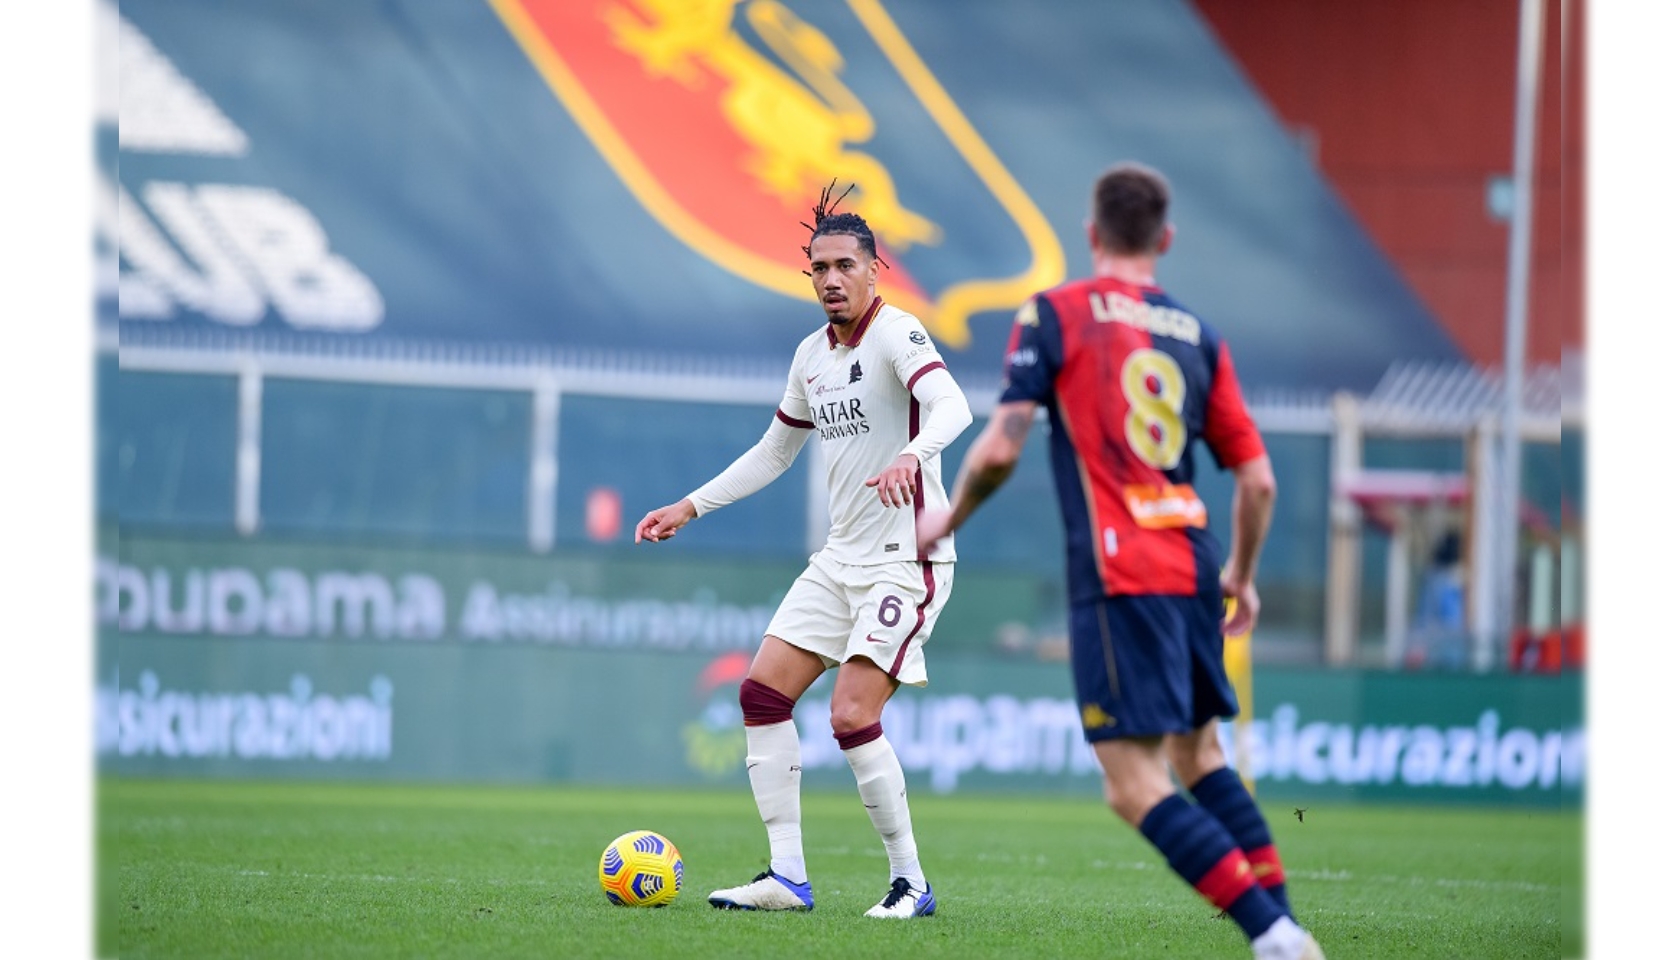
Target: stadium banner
{"type": "Point", "coordinates": [201, 706]}
{"type": "Point", "coordinates": [221, 227]}
{"type": "Point", "coordinates": [240, 591]}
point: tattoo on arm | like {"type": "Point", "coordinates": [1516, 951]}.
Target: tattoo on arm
{"type": "Point", "coordinates": [976, 483]}
{"type": "Point", "coordinates": [990, 463]}
{"type": "Point", "coordinates": [1015, 424]}
{"type": "Point", "coordinates": [983, 483]}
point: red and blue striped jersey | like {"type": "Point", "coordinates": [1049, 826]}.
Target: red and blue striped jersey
{"type": "Point", "coordinates": [1131, 380]}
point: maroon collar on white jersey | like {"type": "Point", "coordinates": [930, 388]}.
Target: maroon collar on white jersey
{"type": "Point", "coordinates": [863, 324]}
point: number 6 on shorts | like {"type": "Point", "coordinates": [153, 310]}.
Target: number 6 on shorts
{"type": "Point", "coordinates": [891, 611]}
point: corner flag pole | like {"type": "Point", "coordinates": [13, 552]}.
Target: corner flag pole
{"type": "Point", "coordinates": [1530, 46]}
{"type": "Point", "coordinates": [1239, 668]}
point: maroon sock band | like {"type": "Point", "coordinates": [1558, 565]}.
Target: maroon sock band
{"type": "Point", "coordinates": [761, 705]}
{"type": "Point", "coordinates": [859, 737]}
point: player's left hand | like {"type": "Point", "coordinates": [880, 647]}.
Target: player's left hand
{"type": "Point", "coordinates": [1245, 608]}
{"type": "Point", "coordinates": [896, 485]}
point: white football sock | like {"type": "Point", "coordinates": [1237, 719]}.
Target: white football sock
{"type": "Point", "coordinates": [773, 769]}
{"type": "Point", "coordinates": [880, 782]}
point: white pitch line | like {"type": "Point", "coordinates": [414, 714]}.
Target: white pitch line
{"type": "Point", "coordinates": [374, 877]}
{"type": "Point", "coordinates": [1334, 876]}
{"type": "Point", "coordinates": [1343, 876]}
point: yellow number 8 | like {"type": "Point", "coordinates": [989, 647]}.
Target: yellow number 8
{"type": "Point", "coordinates": [1154, 389]}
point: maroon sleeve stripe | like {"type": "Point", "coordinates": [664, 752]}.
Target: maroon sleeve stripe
{"type": "Point", "coordinates": [796, 424]}
{"type": "Point", "coordinates": [935, 365]}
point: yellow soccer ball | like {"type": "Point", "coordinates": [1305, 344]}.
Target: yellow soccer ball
{"type": "Point", "coordinates": [641, 869]}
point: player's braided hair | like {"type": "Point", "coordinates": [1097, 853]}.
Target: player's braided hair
{"type": "Point", "coordinates": [829, 222]}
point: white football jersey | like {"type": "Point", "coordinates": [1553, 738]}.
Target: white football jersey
{"type": "Point", "coordinates": [855, 397]}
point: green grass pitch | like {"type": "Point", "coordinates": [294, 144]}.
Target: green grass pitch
{"type": "Point", "coordinates": [286, 869]}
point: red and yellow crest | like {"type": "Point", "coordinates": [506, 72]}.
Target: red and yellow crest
{"type": "Point", "coordinates": [726, 118]}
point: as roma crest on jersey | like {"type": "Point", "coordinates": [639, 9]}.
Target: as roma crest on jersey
{"type": "Point", "coordinates": [726, 118]}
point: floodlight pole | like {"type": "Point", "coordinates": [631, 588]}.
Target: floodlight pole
{"type": "Point", "coordinates": [1530, 46]}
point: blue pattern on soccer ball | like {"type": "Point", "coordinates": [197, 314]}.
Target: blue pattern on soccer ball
{"type": "Point", "coordinates": [613, 863]}
{"type": "Point", "coordinates": [648, 843]}
{"type": "Point", "coordinates": [676, 871]}
{"type": "Point", "coordinates": [646, 885]}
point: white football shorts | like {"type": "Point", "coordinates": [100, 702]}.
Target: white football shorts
{"type": "Point", "coordinates": [883, 611]}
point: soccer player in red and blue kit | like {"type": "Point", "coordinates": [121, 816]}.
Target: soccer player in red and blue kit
{"type": "Point", "coordinates": [1131, 379]}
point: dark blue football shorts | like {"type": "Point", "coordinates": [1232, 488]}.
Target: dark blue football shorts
{"type": "Point", "coordinates": [1149, 665]}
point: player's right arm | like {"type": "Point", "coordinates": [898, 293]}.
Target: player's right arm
{"type": "Point", "coordinates": [1031, 360]}
{"type": "Point", "coordinates": [766, 460]}
{"type": "Point", "coordinates": [990, 461]}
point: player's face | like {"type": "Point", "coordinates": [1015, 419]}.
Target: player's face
{"type": "Point", "coordinates": [843, 276]}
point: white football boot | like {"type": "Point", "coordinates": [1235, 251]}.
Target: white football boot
{"type": "Point", "coordinates": [1287, 941]}
{"type": "Point", "coordinates": [903, 902]}
{"type": "Point", "coordinates": [768, 891]}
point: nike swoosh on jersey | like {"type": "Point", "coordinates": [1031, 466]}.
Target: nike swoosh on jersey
{"type": "Point", "coordinates": [873, 639]}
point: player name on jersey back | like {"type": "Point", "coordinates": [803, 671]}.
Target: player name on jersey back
{"type": "Point", "coordinates": [1116, 307]}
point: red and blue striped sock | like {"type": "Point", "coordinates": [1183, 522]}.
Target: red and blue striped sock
{"type": "Point", "coordinates": [1222, 794]}
{"type": "Point", "coordinates": [1203, 853]}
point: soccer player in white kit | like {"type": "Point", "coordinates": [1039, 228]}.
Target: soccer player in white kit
{"type": "Point", "coordinates": [872, 387]}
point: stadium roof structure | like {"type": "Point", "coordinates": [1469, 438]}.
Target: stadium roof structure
{"type": "Point", "coordinates": [1425, 397]}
